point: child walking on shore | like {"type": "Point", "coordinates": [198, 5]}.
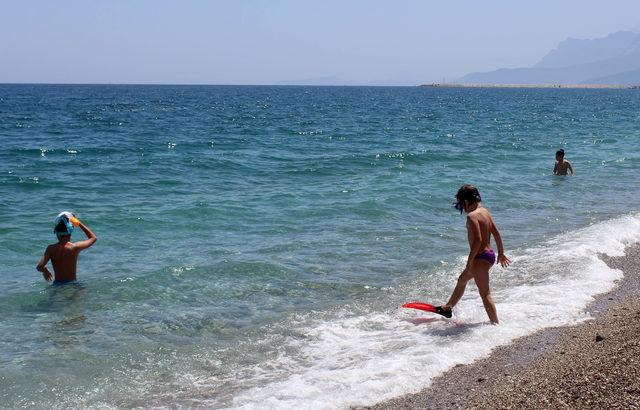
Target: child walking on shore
{"type": "Point", "coordinates": [64, 253]}
{"type": "Point", "coordinates": [480, 228]}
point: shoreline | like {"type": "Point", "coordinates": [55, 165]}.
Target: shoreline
{"type": "Point", "coordinates": [554, 86]}
{"type": "Point", "coordinates": [591, 364]}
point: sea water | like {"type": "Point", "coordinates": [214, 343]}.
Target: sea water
{"type": "Point", "coordinates": [255, 243]}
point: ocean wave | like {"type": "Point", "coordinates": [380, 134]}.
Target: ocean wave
{"type": "Point", "coordinates": [360, 360]}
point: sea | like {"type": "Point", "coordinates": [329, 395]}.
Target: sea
{"type": "Point", "coordinates": [255, 243]}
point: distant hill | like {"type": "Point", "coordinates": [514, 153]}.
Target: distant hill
{"type": "Point", "coordinates": [615, 58]}
{"type": "Point", "coordinates": [573, 51]}
{"type": "Point", "coordinates": [629, 77]}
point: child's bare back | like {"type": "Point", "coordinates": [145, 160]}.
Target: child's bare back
{"type": "Point", "coordinates": [64, 254]}
{"type": "Point", "coordinates": [482, 216]}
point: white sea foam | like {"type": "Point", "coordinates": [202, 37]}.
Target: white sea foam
{"type": "Point", "coordinates": [366, 359]}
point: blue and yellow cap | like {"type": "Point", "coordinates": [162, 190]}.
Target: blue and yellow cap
{"type": "Point", "coordinates": [62, 224]}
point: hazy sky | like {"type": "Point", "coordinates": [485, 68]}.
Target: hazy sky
{"type": "Point", "coordinates": [267, 42]}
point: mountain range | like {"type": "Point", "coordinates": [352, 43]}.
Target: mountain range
{"type": "Point", "coordinates": [614, 60]}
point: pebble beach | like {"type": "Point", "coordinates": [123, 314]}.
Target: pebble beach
{"type": "Point", "coordinates": [594, 364]}
{"type": "Point", "coordinates": [257, 242]}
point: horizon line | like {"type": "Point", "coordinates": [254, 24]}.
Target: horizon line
{"type": "Point", "coordinates": [213, 84]}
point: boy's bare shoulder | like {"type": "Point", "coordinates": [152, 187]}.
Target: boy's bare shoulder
{"type": "Point", "coordinates": [474, 215]}
{"type": "Point", "coordinates": [481, 214]}
{"type": "Point", "coordinates": [51, 250]}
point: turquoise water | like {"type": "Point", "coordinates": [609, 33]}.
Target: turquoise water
{"type": "Point", "coordinates": [240, 227]}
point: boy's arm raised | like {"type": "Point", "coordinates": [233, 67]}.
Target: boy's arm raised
{"type": "Point", "coordinates": [42, 265]}
{"type": "Point", "coordinates": [92, 238]}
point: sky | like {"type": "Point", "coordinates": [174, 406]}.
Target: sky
{"type": "Point", "coordinates": [400, 42]}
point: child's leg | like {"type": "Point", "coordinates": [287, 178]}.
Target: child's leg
{"type": "Point", "coordinates": [459, 289]}
{"type": "Point", "coordinates": [482, 281]}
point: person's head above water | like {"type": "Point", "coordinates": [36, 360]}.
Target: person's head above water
{"type": "Point", "coordinates": [467, 196]}
{"type": "Point", "coordinates": [63, 226]}
{"type": "Point", "coordinates": [559, 154]}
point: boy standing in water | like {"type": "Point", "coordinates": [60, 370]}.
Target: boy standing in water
{"type": "Point", "coordinates": [480, 227]}
{"type": "Point", "coordinates": [562, 166]}
{"type": "Point", "coordinates": [64, 254]}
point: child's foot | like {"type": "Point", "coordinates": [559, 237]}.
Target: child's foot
{"type": "Point", "coordinates": [446, 312]}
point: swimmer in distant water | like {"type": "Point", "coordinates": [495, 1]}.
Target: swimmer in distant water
{"type": "Point", "coordinates": [562, 166]}
{"type": "Point", "coordinates": [480, 227]}
{"type": "Point", "coordinates": [64, 254]}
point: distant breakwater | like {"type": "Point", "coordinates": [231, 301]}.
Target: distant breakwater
{"type": "Point", "coordinates": [572, 86]}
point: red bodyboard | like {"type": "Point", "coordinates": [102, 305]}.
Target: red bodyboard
{"type": "Point", "coordinates": [420, 306]}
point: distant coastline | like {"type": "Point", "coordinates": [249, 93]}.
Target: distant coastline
{"type": "Point", "coordinates": [480, 85]}
{"type": "Point", "coordinates": [611, 60]}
